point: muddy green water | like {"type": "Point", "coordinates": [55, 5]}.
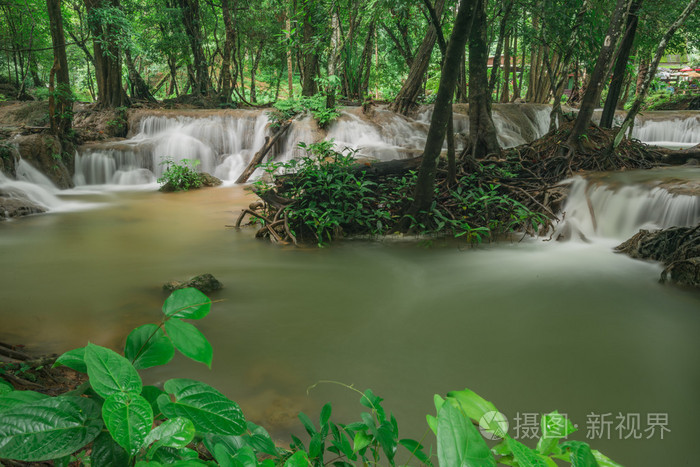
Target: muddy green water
{"type": "Point", "coordinates": [531, 326]}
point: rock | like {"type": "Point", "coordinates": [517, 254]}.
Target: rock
{"type": "Point", "coordinates": [45, 154]}
{"type": "Point", "coordinates": [15, 206]}
{"type": "Point", "coordinates": [677, 247]}
{"type": "Point", "coordinates": [204, 283]}
{"type": "Point", "coordinates": [209, 180]}
{"type": "Point", "coordinates": [8, 160]}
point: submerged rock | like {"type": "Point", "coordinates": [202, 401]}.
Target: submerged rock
{"type": "Point", "coordinates": [12, 205]}
{"type": "Point", "coordinates": [204, 283]}
{"type": "Point", "coordinates": [45, 154]}
{"type": "Point", "coordinates": [677, 247]}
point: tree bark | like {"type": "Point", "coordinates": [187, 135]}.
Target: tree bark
{"type": "Point", "coordinates": [60, 96]}
{"type": "Point", "coordinates": [191, 19]}
{"type": "Point", "coordinates": [423, 195]}
{"type": "Point", "coordinates": [405, 100]}
{"type": "Point", "coordinates": [606, 120]}
{"type": "Point", "coordinates": [229, 42]}
{"type": "Point", "coordinates": [591, 98]}
{"type": "Point", "coordinates": [499, 46]}
{"type": "Point", "coordinates": [482, 131]}
{"type": "Point", "coordinates": [139, 87]}
{"type": "Point", "coordinates": [107, 55]}
{"type": "Point", "coordinates": [310, 63]}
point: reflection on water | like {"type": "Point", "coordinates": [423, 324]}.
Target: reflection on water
{"type": "Point", "coordinates": [532, 326]}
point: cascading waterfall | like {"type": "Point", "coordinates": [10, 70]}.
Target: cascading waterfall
{"type": "Point", "coordinates": [31, 185]}
{"type": "Point", "coordinates": [610, 209]}
{"type": "Point", "coordinates": [225, 142]}
{"type": "Point", "coordinates": [680, 131]}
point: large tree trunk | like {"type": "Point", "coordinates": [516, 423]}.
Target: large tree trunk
{"type": "Point", "coordinates": [591, 98]}
{"type": "Point", "coordinates": [108, 64]}
{"type": "Point", "coordinates": [60, 97]}
{"type": "Point", "coordinates": [505, 95]}
{"type": "Point", "coordinates": [606, 120]}
{"type": "Point", "coordinates": [139, 88]}
{"type": "Point", "coordinates": [482, 131]}
{"type": "Point", "coordinates": [191, 19]}
{"type": "Point", "coordinates": [499, 46]}
{"type": "Point", "coordinates": [310, 63]}
{"type": "Point", "coordinates": [405, 100]}
{"type": "Point", "coordinates": [253, 69]}
{"type": "Point", "coordinates": [225, 95]}
{"type": "Point", "coordinates": [423, 196]}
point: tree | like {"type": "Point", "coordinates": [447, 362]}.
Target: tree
{"type": "Point", "coordinates": [191, 18]}
{"type": "Point", "coordinates": [591, 97]}
{"type": "Point", "coordinates": [424, 192]}
{"type": "Point", "coordinates": [103, 18]}
{"type": "Point", "coordinates": [60, 95]}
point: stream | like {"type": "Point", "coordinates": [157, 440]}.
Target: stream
{"type": "Point", "coordinates": [533, 326]}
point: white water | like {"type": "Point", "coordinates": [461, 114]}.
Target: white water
{"type": "Point", "coordinates": [682, 131]}
{"type": "Point", "coordinates": [619, 205]}
{"type": "Point", "coordinates": [225, 143]}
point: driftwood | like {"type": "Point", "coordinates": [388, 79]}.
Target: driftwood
{"type": "Point", "coordinates": [260, 155]}
{"type": "Point", "coordinates": [680, 156]}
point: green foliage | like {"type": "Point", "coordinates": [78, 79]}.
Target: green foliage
{"type": "Point", "coordinates": [128, 424]}
{"type": "Point", "coordinates": [331, 200]}
{"type": "Point", "coordinates": [180, 176]}
{"type": "Point", "coordinates": [316, 105]}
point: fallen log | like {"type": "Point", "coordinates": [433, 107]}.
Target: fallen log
{"type": "Point", "coordinates": [260, 155]}
{"type": "Point", "coordinates": [392, 167]}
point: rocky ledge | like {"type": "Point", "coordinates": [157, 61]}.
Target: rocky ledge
{"type": "Point", "coordinates": [678, 248]}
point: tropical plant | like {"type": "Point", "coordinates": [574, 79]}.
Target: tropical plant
{"type": "Point", "coordinates": [180, 176]}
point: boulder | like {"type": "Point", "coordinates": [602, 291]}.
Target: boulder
{"type": "Point", "coordinates": [8, 160]}
{"type": "Point", "coordinates": [209, 180]}
{"type": "Point", "coordinates": [204, 283]}
{"type": "Point", "coordinates": [45, 154]}
{"type": "Point", "coordinates": [15, 206]}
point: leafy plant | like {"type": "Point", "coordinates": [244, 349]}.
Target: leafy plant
{"type": "Point", "coordinates": [113, 419]}
{"type": "Point", "coordinates": [316, 105]}
{"type": "Point", "coordinates": [180, 176]}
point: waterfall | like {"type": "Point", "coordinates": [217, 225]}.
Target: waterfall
{"type": "Point", "coordinates": [224, 142]}
{"type": "Point", "coordinates": [32, 186]}
{"type": "Point", "coordinates": [679, 131]}
{"type": "Point", "coordinates": [608, 208]}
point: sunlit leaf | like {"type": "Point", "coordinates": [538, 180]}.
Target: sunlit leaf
{"type": "Point", "coordinates": [189, 341]}
{"type": "Point", "coordinates": [17, 398]}
{"type": "Point", "coordinates": [187, 303]}
{"type": "Point", "coordinates": [110, 373]}
{"type": "Point", "coordinates": [74, 359]}
{"type": "Point", "coordinates": [128, 418]}
{"type": "Point", "coordinates": [147, 346]}
{"type": "Point", "coordinates": [459, 442]}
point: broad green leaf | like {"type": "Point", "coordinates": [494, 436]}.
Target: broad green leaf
{"type": "Point", "coordinates": [439, 402]}
{"type": "Point", "coordinates": [527, 457]}
{"type": "Point", "coordinates": [187, 303]}
{"type": "Point", "coordinates": [223, 456]}
{"type": "Point", "coordinates": [315, 446]}
{"type": "Point", "coordinates": [325, 414]}
{"type": "Point", "coordinates": [432, 423]}
{"type": "Point", "coordinates": [298, 459]}
{"type": "Point", "coordinates": [173, 456]}
{"type": "Point", "coordinates": [361, 441]}
{"type": "Point", "coordinates": [189, 341]}
{"type": "Point", "coordinates": [151, 393]}
{"type": "Point", "coordinates": [49, 428]}
{"type": "Point", "coordinates": [147, 346]}
{"type": "Point", "coordinates": [110, 373]}
{"type": "Point", "coordinates": [259, 439]}
{"type": "Point", "coordinates": [229, 442]}
{"type": "Point", "coordinates": [459, 442]}
{"type": "Point", "coordinates": [387, 439]}
{"type": "Point", "coordinates": [308, 424]}
{"type": "Point", "coordinates": [555, 426]}
{"type": "Point", "coordinates": [106, 451]}
{"type": "Point", "coordinates": [580, 454]}
{"type": "Point", "coordinates": [174, 433]}
{"type": "Point", "coordinates": [129, 418]}
{"type": "Point", "coordinates": [473, 404]}
{"type": "Point", "coordinates": [209, 410]}
{"type": "Point", "coordinates": [17, 398]}
{"type": "Point", "coordinates": [74, 359]}
{"type": "Point", "coordinates": [245, 457]}
{"type": "Point", "coordinates": [5, 387]}
{"type": "Point", "coordinates": [603, 460]}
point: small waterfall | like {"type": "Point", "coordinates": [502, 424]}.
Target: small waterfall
{"type": "Point", "coordinates": [680, 131]}
{"type": "Point", "coordinates": [32, 186]}
{"type": "Point", "coordinates": [609, 209]}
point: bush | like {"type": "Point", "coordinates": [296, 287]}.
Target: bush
{"type": "Point", "coordinates": [284, 110]}
{"type": "Point", "coordinates": [180, 176]}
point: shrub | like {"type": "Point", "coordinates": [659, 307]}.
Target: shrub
{"type": "Point", "coordinates": [180, 176]}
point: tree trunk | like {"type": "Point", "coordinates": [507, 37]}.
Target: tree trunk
{"type": "Point", "coordinates": [191, 19]}
{"type": "Point", "coordinates": [505, 95]}
{"type": "Point", "coordinates": [310, 63]}
{"type": "Point", "coordinates": [482, 131]}
{"type": "Point", "coordinates": [405, 100]}
{"type": "Point", "coordinates": [60, 97]}
{"type": "Point", "coordinates": [253, 69]}
{"type": "Point", "coordinates": [642, 73]}
{"type": "Point", "coordinates": [606, 120]}
{"type": "Point", "coordinates": [107, 55]}
{"type": "Point", "coordinates": [229, 42]}
{"type": "Point", "coordinates": [290, 62]}
{"type": "Point", "coordinates": [139, 87]}
{"type": "Point", "coordinates": [636, 105]}
{"type": "Point", "coordinates": [423, 196]}
{"type": "Point", "coordinates": [499, 46]}
{"type": "Point", "coordinates": [591, 98]}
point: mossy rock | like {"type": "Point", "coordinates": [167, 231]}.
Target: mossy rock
{"type": "Point", "coordinates": [204, 283]}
